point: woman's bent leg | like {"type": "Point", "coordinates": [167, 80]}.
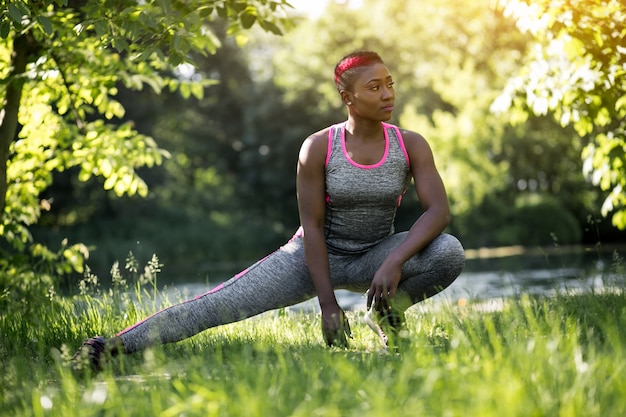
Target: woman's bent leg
{"type": "Point", "coordinates": [433, 269]}
{"type": "Point", "coordinates": [281, 279]}
{"type": "Point", "coordinates": [424, 275]}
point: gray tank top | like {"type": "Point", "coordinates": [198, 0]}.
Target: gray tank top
{"type": "Point", "coordinates": [361, 200]}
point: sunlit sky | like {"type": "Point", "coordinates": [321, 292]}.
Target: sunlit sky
{"type": "Point", "coordinates": [314, 8]}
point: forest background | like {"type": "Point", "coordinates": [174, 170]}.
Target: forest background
{"type": "Point", "coordinates": [224, 194]}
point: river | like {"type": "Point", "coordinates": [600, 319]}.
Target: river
{"type": "Point", "coordinates": [492, 274]}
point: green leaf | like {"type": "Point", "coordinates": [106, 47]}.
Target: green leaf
{"type": "Point", "coordinates": [15, 14]}
{"type": "Point", "coordinates": [619, 220]}
{"type": "Point", "coordinates": [574, 48]}
{"type": "Point", "coordinates": [212, 42]}
{"type": "Point", "coordinates": [603, 117]}
{"type": "Point", "coordinates": [205, 11]}
{"type": "Point", "coordinates": [101, 27]}
{"type": "Point", "coordinates": [45, 24]}
{"type": "Point", "coordinates": [233, 28]}
{"type": "Point", "coordinates": [5, 28]}
{"type": "Point", "coordinates": [185, 90]}
{"type": "Point", "coordinates": [110, 182]}
{"type": "Point", "coordinates": [241, 39]}
{"type": "Point", "coordinates": [583, 126]}
{"type": "Point", "coordinates": [137, 81]}
{"type": "Point", "coordinates": [177, 42]}
{"type": "Point", "coordinates": [120, 44]}
{"type": "Point", "coordinates": [84, 174]}
{"type": "Point", "coordinates": [176, 59]}
{"type": "Point", "coordinates": [270, 27]}
{"type": "Point", "coordinates": [197, 90]}
{"type": "Point", "coordinates": [247, 20]}
{"type": "Point", "coordinates": [620, 105]}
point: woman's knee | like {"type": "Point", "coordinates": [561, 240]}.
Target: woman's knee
{"type": "Point", "coordinates": [450, 252]}
{"type": "Point", "coordinates": [435, 268]}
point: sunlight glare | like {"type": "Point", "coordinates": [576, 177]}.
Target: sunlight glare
{"type": "Point", "coordinates": [315, 8]}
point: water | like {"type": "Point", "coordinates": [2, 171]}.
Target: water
{"type": "Point", "coordinates": [500, 273]}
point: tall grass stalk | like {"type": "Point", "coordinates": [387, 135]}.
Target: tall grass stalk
{"type": "Point", "coordinates": [531, 356]}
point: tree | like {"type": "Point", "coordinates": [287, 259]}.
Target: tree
{"type": "Point", "coordinates": [63, 62]}
{"type": "Point", "coordinates": [577, 73]}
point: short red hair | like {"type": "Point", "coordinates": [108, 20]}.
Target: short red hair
{"type": "Point", "coordinates": [352, 61]}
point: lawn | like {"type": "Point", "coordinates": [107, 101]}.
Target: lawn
{"type": "Point", "coordinates": [563, 355]}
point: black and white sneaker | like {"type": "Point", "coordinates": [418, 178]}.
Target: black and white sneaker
{"type": "Point", "coordinates": [91, 354]}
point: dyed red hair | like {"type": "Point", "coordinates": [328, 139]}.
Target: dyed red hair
{"type": "Point", "coordinates": [352, 61]}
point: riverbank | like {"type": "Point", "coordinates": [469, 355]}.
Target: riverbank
{"type": "Point", "coordinates": [532, 355]}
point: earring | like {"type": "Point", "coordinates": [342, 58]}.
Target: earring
{"type": "Point", "coordinates": [349, 103]}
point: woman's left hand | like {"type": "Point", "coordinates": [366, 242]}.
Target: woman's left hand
{"type": "Point", "coordinates": [384, 286]}
{"type": "Point", "coordinates": [335, 326]}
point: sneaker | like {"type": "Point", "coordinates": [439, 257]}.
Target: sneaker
{"type": "Point", "coordinates": [91, 354]}
{"type": "Point", "coordinates": [372, 324]}
{"type": "Point", "coordinates": [384, 325]}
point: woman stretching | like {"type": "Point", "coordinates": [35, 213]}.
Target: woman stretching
{"type": "Point", "coordinates": [350, 180]}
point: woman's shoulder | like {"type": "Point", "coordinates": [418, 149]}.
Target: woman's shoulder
{"type": "Point", "coordinates": [416, 145]}
{"type": "Point", "coordinates": [411, 138]}
{"type": "Point", "coordinates": [407, 134]}
{"type": "Point", "coordinates": [317, 139]}
{"type": "Point", "coordinates": [320, 135]}
{"type": "Point", "coordinates": [315, 145]}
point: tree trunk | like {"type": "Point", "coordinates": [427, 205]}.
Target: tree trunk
{"type": "Point", "coordinates": [22, 47]}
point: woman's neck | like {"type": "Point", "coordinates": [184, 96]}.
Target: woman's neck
{"type": "Point", "coordinates": [365, 130]}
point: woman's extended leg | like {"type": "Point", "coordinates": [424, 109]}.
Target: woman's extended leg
{"type": "Point", "coordinates": [280, 279]}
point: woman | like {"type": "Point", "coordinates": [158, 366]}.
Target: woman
{"type": "Point", "coordinates": [350, 181]}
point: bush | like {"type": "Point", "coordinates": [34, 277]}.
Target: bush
{"type": "Point", "coordinates": [544, 221]}
{"type": "Point", "coordinates": [533, 220]}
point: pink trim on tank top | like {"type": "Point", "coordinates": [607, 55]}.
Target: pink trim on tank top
{"type": "Point", "coordinates": [400, 141]}
{"type": "Point", "coordinates": [331, 134]}
{"type": "Point", "coordinates": [329, 150]}
{"type": "Point", "coordinates": [329, 147]}
{"type": "Point", "coordinates": [356, 164]}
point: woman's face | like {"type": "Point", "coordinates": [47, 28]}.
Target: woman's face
{"type": "Point", "coordinates": [372, 94]}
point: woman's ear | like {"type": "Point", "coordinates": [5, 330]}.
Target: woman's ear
{"type": "Point", "coordinates": [346, 97]}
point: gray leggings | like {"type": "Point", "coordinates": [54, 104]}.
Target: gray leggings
{"type": "Point", "coordinates": [282, 279]}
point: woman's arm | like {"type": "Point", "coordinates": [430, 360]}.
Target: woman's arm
{"type": "Point", "coordinates": [311, 192]}
{"type": "Point", "coordinates": [436, 216]}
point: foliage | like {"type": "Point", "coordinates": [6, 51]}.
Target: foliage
{"type": "Point", "coordinates": [21, 280]}
{"type": "Point", "coordinates": [225, 197]}
{"type": "Point", "coordinates": [64, 62]}
{"type": "Point", "coordinates": [542, 223]}
{"type": "Point", "coordinates": [577, 72]}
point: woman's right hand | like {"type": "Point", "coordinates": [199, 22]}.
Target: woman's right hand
{"type": "Point", "coordinates": [335, 326]}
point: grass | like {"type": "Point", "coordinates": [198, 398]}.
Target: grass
{"type": "Point", "coordinates": [563, 355]}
